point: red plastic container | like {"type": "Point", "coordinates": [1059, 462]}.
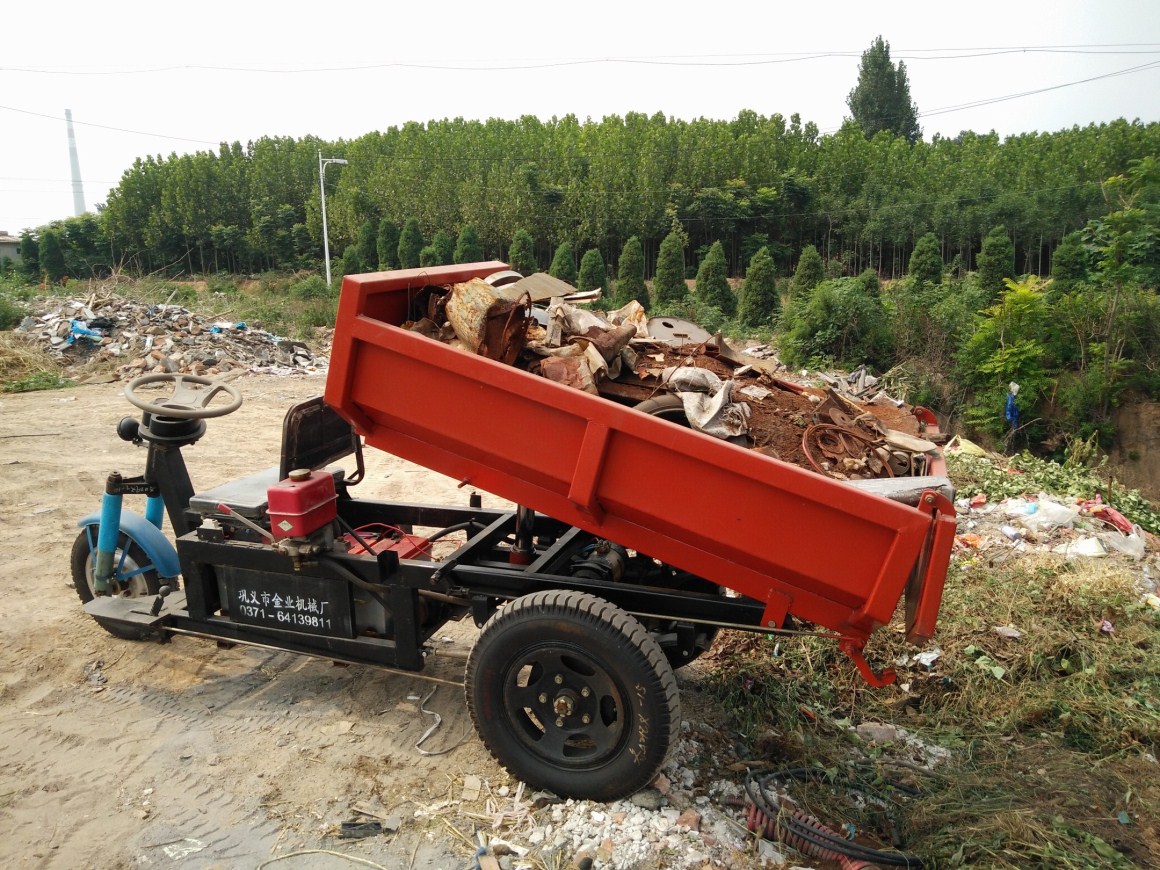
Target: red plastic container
{"type": "Point", "coordinates": [301, 504]}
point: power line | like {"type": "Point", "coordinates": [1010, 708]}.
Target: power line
{"type": "Point", "coordinates": [1001, 99]}
{"type": "Point", "coordinates": [56, 180]}
{"type": "Point", "coordinates": [694, 60]}
{"type": "Point", "coordinates": [107, 127]}
{"type": "Point", "coordinates": [987, 102]}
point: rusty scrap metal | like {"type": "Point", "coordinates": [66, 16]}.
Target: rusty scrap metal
{"type": "Point", "coordinates": [844, 453]}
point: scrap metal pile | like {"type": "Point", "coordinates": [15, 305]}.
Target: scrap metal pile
{"type": "Point", "coordinates": [674, 369]}
{"type": "Point", "coordinates": [147, 338]}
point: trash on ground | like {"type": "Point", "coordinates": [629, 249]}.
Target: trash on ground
{"type": "Point", "coordinates": [150, 338]}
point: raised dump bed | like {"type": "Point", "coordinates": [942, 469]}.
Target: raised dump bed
{"type": "Point", "coordinates": [828, 552]}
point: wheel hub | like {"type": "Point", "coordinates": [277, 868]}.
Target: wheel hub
{"type": "Point", "coordinates": [565, 704]}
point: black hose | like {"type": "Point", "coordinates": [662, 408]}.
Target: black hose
{"type": "Point", "coordinates": [350, 577]}
{"type": "Point", "coordinates": [808, 830]}
{"type": "Point", "coordinates": [458, 527]}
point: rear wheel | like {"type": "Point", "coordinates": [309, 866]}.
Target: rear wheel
{"type": "Point", "coordinates": [572, 695]}
{"type": "Point", "coordinates": [133, 572]}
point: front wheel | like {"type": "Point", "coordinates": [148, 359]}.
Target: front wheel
{"type": "Point", "coordinates": [572, 695]}
{"type": "Point", "coordinates": [133, 573]}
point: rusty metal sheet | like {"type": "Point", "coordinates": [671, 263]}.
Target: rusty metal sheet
{"type": "Point", "coordinates": [492, 327]}
{"type": "Point", "coordinates": [539, 287]}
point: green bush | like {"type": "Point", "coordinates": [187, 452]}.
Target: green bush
{"type": "Point", "coordinates": [312, 287]}
{"type": "Point", "coordinates": [319, 313]}
{"type": "Point", "coordinates": [11, 311]}
{"type": "Point", "coordinates": [708, 317]}
{"type": "Point", "coordinates": [222, 282]}
{"type": "Point", "coordinates": [837, 322]}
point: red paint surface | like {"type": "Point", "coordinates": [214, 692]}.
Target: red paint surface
{"type": "Point", "coordinates": [800, 542]}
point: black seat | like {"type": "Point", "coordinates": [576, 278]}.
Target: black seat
{"type": "Point", "coordinates": [313, 436]}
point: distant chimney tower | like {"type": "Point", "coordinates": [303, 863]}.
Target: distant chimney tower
{"type": "Point", "coordinates": [75, 163]}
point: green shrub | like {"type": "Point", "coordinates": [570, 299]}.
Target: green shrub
{"type": "Point", "coordinates": [837, 322]}
{"type": "Point", "coordinates": [11, 312]}
{"type": "Point", "coordinates": [311, 287]}
{"type": "Point", "coordinates": [222, 282]}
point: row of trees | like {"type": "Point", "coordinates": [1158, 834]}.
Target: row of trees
{"type": "Point", "coordinates": [751, 182]}
{"type": "Point", "coordinates": [1078, 344]}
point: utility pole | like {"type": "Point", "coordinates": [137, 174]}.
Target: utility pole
{"type": "Point", "coordinates": [74, 162]}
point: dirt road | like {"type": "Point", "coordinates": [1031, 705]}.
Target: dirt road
{"type": "Point", "coordinates": [123, 754]}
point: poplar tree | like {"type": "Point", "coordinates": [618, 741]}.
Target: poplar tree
{"type": "Point", "coordinates": [881, 99]}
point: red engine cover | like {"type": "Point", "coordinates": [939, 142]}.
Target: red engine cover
{"type": "Point", "coordinates": [302, 503]}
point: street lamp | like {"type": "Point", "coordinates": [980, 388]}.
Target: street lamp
{"type": "Point", "coordinates": [323, 162]}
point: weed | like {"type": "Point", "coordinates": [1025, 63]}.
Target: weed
{"type": "Point", "coordinates": [1052, 735]}
{"type": "Point", "coordinates": [40, 380]}
{"type": "Point", "coordinates": [11, 312]}
{"type": "Point", "coordinates": [222, 283]}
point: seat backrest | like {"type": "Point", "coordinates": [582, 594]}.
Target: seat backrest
{"type": "Point", "coordinates": [314, 436]}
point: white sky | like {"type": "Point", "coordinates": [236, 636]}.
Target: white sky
{"type": "Point", "coordinates": [322, 69]}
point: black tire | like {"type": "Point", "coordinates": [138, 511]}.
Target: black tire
{"type": "Point", "coordinates": [547, 661]}
{"type": "Point", "coordinates": [667, 406]}
{"type": "Point", "coordinates": [128, 560]}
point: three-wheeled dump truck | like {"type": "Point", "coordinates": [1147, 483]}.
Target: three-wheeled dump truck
{"type": "Point", "coordinates": [634, 542]}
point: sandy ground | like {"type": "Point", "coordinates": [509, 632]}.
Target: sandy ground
{"type": "Point", "coordinates": [189, 755]}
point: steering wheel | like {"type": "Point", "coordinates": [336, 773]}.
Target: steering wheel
{"type": "Point", "coordinates": [189, 401]}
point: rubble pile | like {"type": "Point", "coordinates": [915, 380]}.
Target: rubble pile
{"type": "Point", "coordinates": [677, 820]}
{"type": "Point", "coordinates": [849, 430]}
{"type": "Point", "coordinates": [145, 338]}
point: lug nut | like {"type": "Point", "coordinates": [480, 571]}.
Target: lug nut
{"type": "Point", "coordinates": [543, 699]}
{"type": "Point", "coordinates": [559, 679]}
{"type": "Point", "coordinates": [585, 692]}
{"type": "Point", "coordinates": [559, 723]}
{"type": "Point", "coordinates": [585, 718]}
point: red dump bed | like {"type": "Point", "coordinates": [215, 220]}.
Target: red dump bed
{"type": "Point", "coordinates": [824, 550]}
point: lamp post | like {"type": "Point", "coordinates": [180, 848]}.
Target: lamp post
{"type": "Point", "coordinates": [323, 162]}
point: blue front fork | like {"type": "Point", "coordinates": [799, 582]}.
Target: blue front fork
{"type": "Point", "coordinates": [110, 530]}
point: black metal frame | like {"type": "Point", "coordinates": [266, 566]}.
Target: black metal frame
{"type": "Point", "coordinates": [418, 595]}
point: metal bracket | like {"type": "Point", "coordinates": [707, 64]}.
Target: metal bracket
{"type": "Point", "coordinates": [853, 651]}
